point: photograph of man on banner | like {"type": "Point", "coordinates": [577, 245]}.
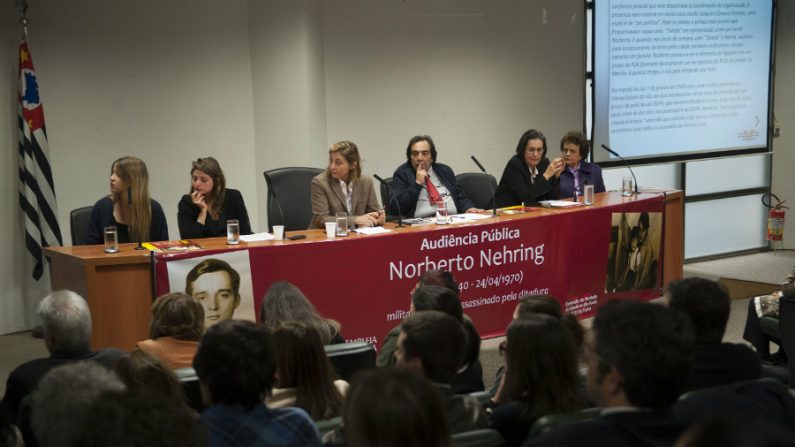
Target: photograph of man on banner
{"type": "Point", "coordinates": [633, 256]}
{"type": "Point", "coordinates": [220, 282]}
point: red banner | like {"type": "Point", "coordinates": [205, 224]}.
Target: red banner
{"type": "Point", "coordinates": [584, 258]}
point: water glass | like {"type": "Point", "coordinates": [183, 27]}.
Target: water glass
{"type": "Point", "coordinates": [587, 195]}
{"type": "Point", "coordinates": [441, 213]}
{"type": "Point", "coordinates": [232, 232]}
{"type": "Point", "coordinates": [342, 224]}
{"type": "Point", "coordinates": [627, 186]}
{"type": "Point", "coordinates": [278, 232]}
{"type": "Point", "coordinates": [111, 240]}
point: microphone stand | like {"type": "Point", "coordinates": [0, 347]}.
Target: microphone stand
{"type": "Point", "coordinates": [628, 166]}
{"type": "Point", "coordinates": [493, 198]}
{"type": "Point", "coordinates": [130, 203]}
{"type": "Point", "coordinates": [392, 197]}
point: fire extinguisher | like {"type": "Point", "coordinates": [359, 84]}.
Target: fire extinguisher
{"type": "Point", "coordinates": [775, 217]}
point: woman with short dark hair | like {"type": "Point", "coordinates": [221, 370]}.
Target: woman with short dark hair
{"type": "Point", "coordinates": [529, 176]}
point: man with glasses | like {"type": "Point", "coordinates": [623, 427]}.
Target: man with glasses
{"type": "Point", "coordinates": [421, 183]}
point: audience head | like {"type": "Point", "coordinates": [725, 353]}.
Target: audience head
{"type": "Point", "coordinates": [705, 302]}
{"type": "Point", "coordinates": [421, 152]}
{"type": "Point", "coordinates": [66, 322]}
{"type": "Point", "coordinates": [177, 315]}
{"type": "Point", "coordinates": [436, 298]}
{"type": "Point", "coordinates": [574, 146]}
{"type": "Point", "coordinates": [639, 355]}
{"type": "Point", "coordinates": [436, 277]}
{"type": "Point", "coordinates": [528, 146]}
{"type": "Point", "coordinates": [284, 301]}
{"type": "Point", "coordinates": [432, 343]}
{"type": "Point", "coordinates": [216, 285]}
{"type": "Point", "coordinates": [235, 363]}
{"type": "Point", "coordinates": [394, 408]}
{"type": "Point", "coordinates": [144, 372]}
{"type": "Point", "coordinates": [302, 363]}
{"type": "Point", "coordinates": [344, 161]}
{"type": "Point", "coordinates": [549, 305]}
{"type": "Point", "coordinates": [129, 184]}
{"type": "Point", "coordinates": [208, 179]}
{"type": "Point", "coordinates": [541, 364]}
{"type": "Point", "coordinates": [62, 398]}
{"type": "Point", "coordinates": [130, 419]}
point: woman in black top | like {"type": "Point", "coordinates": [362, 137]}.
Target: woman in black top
{"type": "Point", "coordinates": [204, 211]}
{"type": "Point", "coordinates": [529, 176]}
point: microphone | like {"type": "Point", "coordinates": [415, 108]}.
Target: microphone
{"type": "Point", "coordinates": [626, 162]}
{"type": "Point", "coordinates": [391, 198]}
{"type": "Point", "coordinates": [493, 199]}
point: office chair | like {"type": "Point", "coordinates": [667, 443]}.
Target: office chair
{"type": "Point", "coordinates": [290, 197]}
{"type": "Point", "coordinates": [475, 186]}
{"type": "Point", "coordinates": [78, 223]}
{"type": "Point", "coordinates": [348, 358]}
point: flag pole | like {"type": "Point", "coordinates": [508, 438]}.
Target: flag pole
{"type": "Point", "coordinates": [22, 7]}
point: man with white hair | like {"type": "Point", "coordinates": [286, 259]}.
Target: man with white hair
{"type": "Point", "coordinates": [66, 322]}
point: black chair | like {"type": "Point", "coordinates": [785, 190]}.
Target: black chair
{"type": "Point", "coordinates": [191, 388]}
{"type": "Point", "coordinates": [553, 421]}
{"type": "Point", "coordinates": [478, 438]}
{"type": "Point", "coordinates": [78, 223]}
{"type": "Point", "coordinates": [348, 358]}
{"type": "Point", "coordinates": [385, 192]}
{"type": "Point", "coordinates": [786, 329]}
{"type": "Point", "coordinates": [475, 186]}
{"type": "Point", "coordinates": [290, 197]}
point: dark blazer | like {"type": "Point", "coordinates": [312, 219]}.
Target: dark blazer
{"type": "Point", "coordinates": [233, 208]}
{"type": "Point", "coordinates": [328, 199]}
{"type": "Point", "coordinates": [102, 216]}
{"type": "Point", "coordinates": [407, 191]}
{"type": "Point", "coordinates": [716, 364]}
{"type": "Point", "coordinates": [629, 429]}
{"type": "Point", "coordinates": [590, 172]}
{"type": "Point", "coordinates": [24, 379]}
{"type": "Point", "coordinates": [516, 186]}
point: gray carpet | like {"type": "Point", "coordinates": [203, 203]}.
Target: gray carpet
{"type": "Point", "coordinates": [770, 267]}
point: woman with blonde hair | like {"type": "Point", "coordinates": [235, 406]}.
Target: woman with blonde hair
{"type": "Point", "coordinates": [176, 327]}
{"type": "Point", "coordinates": [136, 216]}
{"type": "Point", "coordinates": [343, 187]}
{"type": "Point", "coordinates": [203, 212]}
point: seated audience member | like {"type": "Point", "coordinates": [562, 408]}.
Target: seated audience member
{"type": "Point", "coordinates": [714, 363]}
{"type": "Point", "coordinates": [577, 173]}
{"type": "Point", "coordinates": [343, 188]}
{"type": "Point", "coordinates": [216, 286]}
{"type": "Point", "coordinates": [235, 364]}
{"type": "Point", "coordinates": [638, 361]}
{"type": "Point", "coordinates": [203, 212]}
{"type": "Point", "coordinates": [394, 408]}
{"type": "Point", "coordinates": [174, 332]}
{"type": "Point", "coordinates": [767, 306]}
{"type": "Point", "coordinates": [283, 301]}
{"type": "Point", "coordinates": [60, 404]}
{"type": "Point", "coordinates": [130, 419]}
{"type": "Point", "coordinates": [541, 376]}
{"type": "Point", "coordinates": [432, 343]}
{"type": "Point", "coordinates": [144, 372]}
{"type": "Point", "coordinates": [421, 182]}
{"type": "Point", "coordinates": [129, 208]}
{"type": "Point", "coordinates": [304, 375]}
{"type": "Point", "coordinates": [529, 176]}
{"type": "Point", "coordinates": [66, 323]}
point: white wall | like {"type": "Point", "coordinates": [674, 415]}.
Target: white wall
{"type": "Point", "coordinates": [783, 180]}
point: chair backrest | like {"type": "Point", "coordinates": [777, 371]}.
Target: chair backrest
{"type": "Point", "coordinates": [552, 421]}
{"type": "Point", "coordinates": [478, 438]}
{"type": "Point", "coordinates": [326, 425]}
{"type": "Point", "coordinates": [475, 186]}
{"type": "Point", "coordinates": [348, 358]}
{"type": "Point", "coordinates": [385, 192]}
{"type": "Point", "coordinates": [78, 224]}
{"type": "Point", "coordinates": [290, 197]}
{"type": "Point", "coordinates": [786, 327]}
{"type": "Point", "coordinates": [191, 388]}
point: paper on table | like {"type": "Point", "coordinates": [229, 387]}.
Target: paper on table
{"type": "Point", "coordinates": [257, 237]}
{"type": "Point", "coordinates": [468, 217]}
{"type": "Point", "coordinates": [560, 203]}
{"type": "Point", "coordinates": [372, 230]}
